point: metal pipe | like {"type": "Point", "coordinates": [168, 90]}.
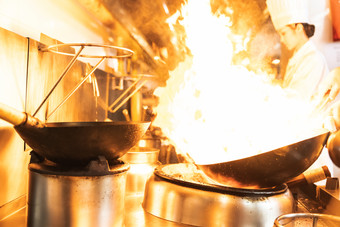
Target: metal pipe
{"type": "Point", "coordinates": [124, 93]}
{"type": "Point", "coordinates": [129, 96]}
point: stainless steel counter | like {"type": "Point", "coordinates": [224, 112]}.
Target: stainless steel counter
{"type": "Point", "coordinates": [135, 216]}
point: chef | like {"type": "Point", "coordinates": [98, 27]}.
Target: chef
{"type": "Point", "coordinates": [307, 66]}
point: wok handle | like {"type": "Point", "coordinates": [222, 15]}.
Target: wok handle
{"type": "Point", "coordinates": [12, 115]}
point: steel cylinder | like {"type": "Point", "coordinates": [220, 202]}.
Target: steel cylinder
{"type": "Point", "coordinates": [143, 161]}
{"type": "Point", "coordinates": [198, 204]}
{"type": "Point", "coordinates": [76, 198]}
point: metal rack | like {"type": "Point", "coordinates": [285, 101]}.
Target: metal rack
{"type": "Point", "coordinates": [81, 48]}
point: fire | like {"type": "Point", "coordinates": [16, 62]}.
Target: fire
{"type": "Point", "coordinates": [216, 111]}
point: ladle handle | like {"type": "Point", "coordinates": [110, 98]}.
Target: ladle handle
{"type": "Point", "coordinates": [12, 115]}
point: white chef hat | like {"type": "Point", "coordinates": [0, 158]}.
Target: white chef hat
{"type": "Point", "coordinates": [284, 12]}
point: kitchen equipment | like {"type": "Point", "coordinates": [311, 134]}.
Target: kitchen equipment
{"type": "Point", "coordinates": [142, 161]}
{"type": "Point", "coordinates": [307, 219]}
{"type": "Point", "coordinates": [270, 168]}
{"type": "Point", "coordinates": [60, 195]}
{"type": "Point", "coordinates": [310, 176]}
{"type": "Point", "coordinates": [85, 50]}
{"type": "Point", "coordinates": [90, 50]}
{"type": "Point", "coordinates": [75, 142]}
{"type": "Point", "coordinates": [181, 193]}
{"type": "Point", "coordinates": [333, 146]}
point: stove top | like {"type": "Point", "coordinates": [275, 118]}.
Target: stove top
{"type": "Point", "coordinates": [188, 175]}
{"type": "Point", "coordinates": [310, 198]}
{"type": "Point", "coordinates": [180, 193]}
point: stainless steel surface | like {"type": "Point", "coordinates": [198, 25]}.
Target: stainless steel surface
{"type": "Point", "coordinates": [270, 168]}
{"type": "Point", "coordinates": [57, 198]}
{"type": "Point", "coordinates": [328, 198]}
{"type": "Point", "coordinates": [134, 216]}
{"type": "Point", "coordinates": [142, 164]}
{"type": "Point", "coordinates": [150, 142]}
{"type": "Point", "coordinates": [142, 155]}
{"type": "Point", "coordinates": [193, 205]}
{"type": "Point", "coordinates": [13, 161]}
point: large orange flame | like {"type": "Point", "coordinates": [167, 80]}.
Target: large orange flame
{"type": "Point", "coordinates": [215, 111]}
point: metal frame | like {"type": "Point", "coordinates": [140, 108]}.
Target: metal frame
{"type": "Point", "coordinates": [56, 49]}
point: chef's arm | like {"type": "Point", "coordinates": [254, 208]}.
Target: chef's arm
{"type": "Point", "coordinates": [330, 86]}
{"type": "Point", "coordinates": [332, 121]}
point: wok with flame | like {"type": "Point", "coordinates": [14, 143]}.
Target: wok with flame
{"type": "Point", "coordinates": [215, 109]}
{"type": "Point", "coordinates": [268, 169]}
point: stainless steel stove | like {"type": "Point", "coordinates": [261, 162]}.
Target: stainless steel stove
{"type": "Point", "coordinates": [177, 194]}
{"type": "Point", "coordinates": [182, 194]}
{"type": "Point", "coordinates": [91, 195]}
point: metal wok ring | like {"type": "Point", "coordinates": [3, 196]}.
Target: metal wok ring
{"type": "Point", "coordinates": [126, 52]}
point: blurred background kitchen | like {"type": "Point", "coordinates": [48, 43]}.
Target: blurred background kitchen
{"type": "Point", "coordinates": [28, 70]}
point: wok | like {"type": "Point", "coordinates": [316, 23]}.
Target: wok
{"type": "Point", "coordinates": [268, 169]}
{"type": "Point", "coordinates": [75, 142]}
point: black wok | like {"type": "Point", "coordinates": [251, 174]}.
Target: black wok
{"type": "Point", "coordinates": [268, 169]}
{"type": "Point", "coordinates": [75, 142]}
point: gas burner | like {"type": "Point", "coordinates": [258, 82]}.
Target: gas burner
{"type": "Point", "coordinates": [182, 193]}
{"type": "Point", "coordinates": [96, 167]}
{"type": "Point", "coordinates": [66, 195]}
{"type": "Point", "coordinates": [189, 175]}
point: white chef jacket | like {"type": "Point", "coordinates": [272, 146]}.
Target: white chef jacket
{"type": "Point", "coordinates": [305, 70]}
